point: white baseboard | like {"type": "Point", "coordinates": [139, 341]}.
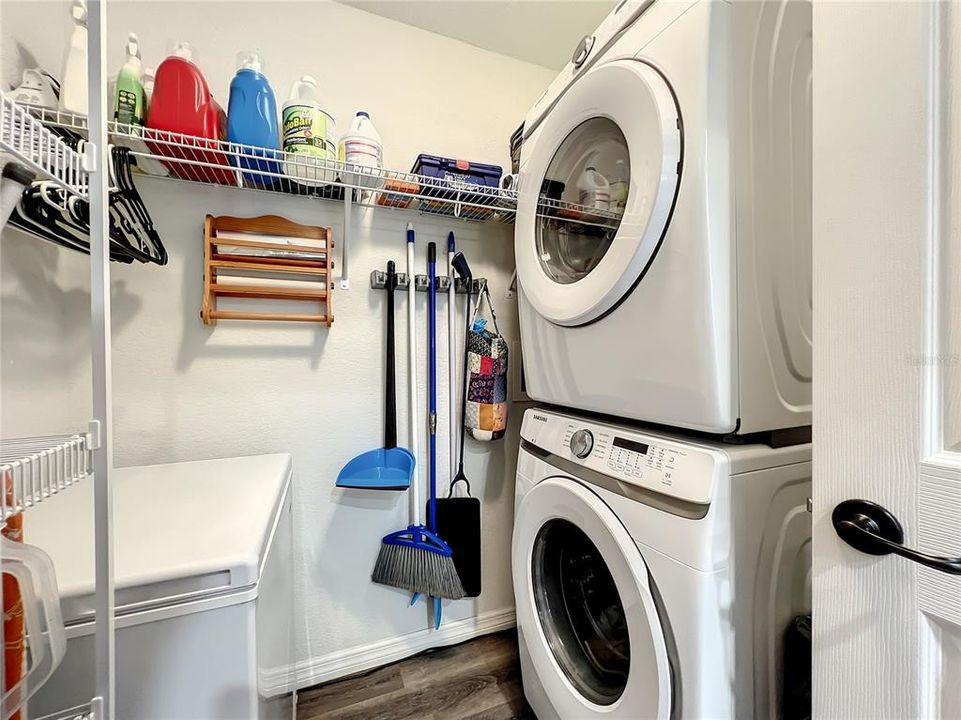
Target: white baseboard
{"type": "Point", "coordinates": [342, 663]}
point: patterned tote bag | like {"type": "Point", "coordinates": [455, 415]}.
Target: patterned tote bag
{"type": "Point", "coordinates": [486, 409]}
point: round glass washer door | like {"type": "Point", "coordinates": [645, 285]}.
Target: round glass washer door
{"type": "Point", "coordinates": [597, 192]}
{"type": "Point", "coordinates": [585, 608]}
{"type": "Point", "coordinates": [580, 611]}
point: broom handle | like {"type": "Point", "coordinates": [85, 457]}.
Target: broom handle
{"type": "Point", "coordinates": [412, 376]}
{"type": "Point", "coordinates": [390, 389]}
{"type": "Point", "coordinates": [452, 356]}
{"type": "Point", "coordinates": [432, 377]}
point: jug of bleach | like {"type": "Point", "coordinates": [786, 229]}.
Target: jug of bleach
{"type": "Point", "coordinates": [252, 122]}
{"type": "Point", "coordinates": [308, 130]}
{"type": "Point", "coordinates": [129, 104]}
{"type": "Point", "coordinates": [593, 189]}
{"type": "Point", "coordinates": [362, 151]}
{"type": "Point", "coordinates": [73, 85]}
{"type": "Point", "coordinates": [182, 104]}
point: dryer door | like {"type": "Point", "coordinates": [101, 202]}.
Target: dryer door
{"type": "Point", "coordinates": [597, 191]}
{"type": "Point", "coordinates": [585, 608]}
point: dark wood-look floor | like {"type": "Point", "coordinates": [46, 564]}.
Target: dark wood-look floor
{"type": "Point", "coordinates": [477, 680]}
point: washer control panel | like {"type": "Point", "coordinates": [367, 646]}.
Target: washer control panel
{"type": "Point", "coordinates": [674, 467]}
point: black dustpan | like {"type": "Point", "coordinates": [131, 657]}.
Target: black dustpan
{"type": "Point", "coordinates": [459, 518]}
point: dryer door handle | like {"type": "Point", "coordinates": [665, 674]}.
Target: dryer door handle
{"type": "Point", "coordinates": [872, 529]}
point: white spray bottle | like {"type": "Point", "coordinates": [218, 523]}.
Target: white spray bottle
{"type": "Point", "coordinates": [73, 79]}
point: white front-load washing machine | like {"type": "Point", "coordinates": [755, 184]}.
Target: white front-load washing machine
{"type": "Point", "coordinates": [663, 229]}
{"type": "Point", "coordinates": [655, 575]}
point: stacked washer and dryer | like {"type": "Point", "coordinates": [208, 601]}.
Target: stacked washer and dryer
{"type": "Point", "coordinates": [662, 540]}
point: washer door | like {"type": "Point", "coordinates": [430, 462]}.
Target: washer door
{"type": "Point", "coordinates": [585, 607]}
{"type": "Point", "coordinates": [597, 191]}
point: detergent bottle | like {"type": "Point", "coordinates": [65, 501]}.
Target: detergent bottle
{"type": "Point", "coordinates": [252, 121]}
{"type": "Point", "coordinates": [182, 104]}
{"type": "Point", "coordinates": [619, 187]}
{"type": "Point", "coordinates": [308, 130]}
{"type": "Point", "coordinates": [134, 140]}
{"type": "Point", "coordinates": [73, 86]}
{"type": "Point", "coordinates": [593, 189]}
{"type": "Point", "coordinates": [362, 150]}
{"type": "Point", "coordinates": [129, 98]}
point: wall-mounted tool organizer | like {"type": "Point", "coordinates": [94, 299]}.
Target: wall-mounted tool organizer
{"type": "Point", "coordinates": [266, 258]}
{"type": "Point", "coordinates": [378, 281]}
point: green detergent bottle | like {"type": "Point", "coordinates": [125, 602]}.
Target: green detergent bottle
{"type": "Point", "coordinates": [129, 95]}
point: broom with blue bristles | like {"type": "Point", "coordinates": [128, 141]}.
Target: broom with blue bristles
{"type": "Point", "coordinates": [416, 559]}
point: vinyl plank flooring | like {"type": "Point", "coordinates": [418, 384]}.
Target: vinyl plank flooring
{"type": "Point", "coordinates": [336, 695]}
{"type": "Point", "coordinates": [477, 680]}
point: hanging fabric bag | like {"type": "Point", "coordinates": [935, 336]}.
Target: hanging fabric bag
{"type": "Point", "coordinates": [486, 404]}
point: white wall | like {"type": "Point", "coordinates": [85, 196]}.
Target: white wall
{"type": "Point", "coordinates": [186, 391]}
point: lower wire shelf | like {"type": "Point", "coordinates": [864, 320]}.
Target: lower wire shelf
{"type": "Point", "coordinates": [35, 468]}
{"type": "Point", "coordinates": [87, 711]}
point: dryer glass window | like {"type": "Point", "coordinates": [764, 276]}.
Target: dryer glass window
{"type": "Point", "coordinates": [582, 200]}
{"type": "Point", "coordinates": [581, 612]}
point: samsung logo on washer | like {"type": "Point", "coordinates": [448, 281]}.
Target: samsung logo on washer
{"type": "Point", "coordinates": [542, 418]}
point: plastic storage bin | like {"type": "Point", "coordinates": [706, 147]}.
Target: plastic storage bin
{"type": "Point", "coordinates": [456, 176]}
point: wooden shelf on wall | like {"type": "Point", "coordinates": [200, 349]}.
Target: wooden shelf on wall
{"type": "Point", "coordinates": [266, 258]}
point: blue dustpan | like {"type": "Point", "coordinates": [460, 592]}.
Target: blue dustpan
{"type": "Point", "coordinates": [381, 469]}
{"type": "Point", "coordinates": [389, 467]}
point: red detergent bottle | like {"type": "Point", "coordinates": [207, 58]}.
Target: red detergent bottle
{"type": "Point", "coordinates": [182, 104]}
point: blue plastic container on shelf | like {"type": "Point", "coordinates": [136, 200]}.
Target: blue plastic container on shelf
{"type": "Point", "coordinates": [481, 182]}
{"type": "Point", "coordinates": [252, 121]}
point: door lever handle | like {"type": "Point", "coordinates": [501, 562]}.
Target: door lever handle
{"type": "Point", "coordinates": [872, 529]}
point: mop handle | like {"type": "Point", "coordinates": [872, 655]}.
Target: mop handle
{"type": "Point", "coordinates": [432, 377]}
{"type": "Point", "coordinates": [412, 376]}
{"type": "Point", "coordinates": [452, 355]}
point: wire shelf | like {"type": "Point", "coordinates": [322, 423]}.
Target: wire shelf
{"type": "Point", "coordinates": [26, 139]}
{"type": "Point", "coordinates": [39, 467]}
{"type": "Point", "coordinates": [215, 162]}
{"type": "Point", "coordinates": [87, 711]}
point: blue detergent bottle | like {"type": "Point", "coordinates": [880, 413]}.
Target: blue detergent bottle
{"type": "Point", "coordinates": [252, 121]}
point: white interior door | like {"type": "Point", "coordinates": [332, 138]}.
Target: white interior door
{"type": "Point", "coordinates": [887, 355]}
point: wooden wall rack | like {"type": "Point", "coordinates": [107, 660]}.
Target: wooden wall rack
{"type": "Point", "coordinates": [266, 258]}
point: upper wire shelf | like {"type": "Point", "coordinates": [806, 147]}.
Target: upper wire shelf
{"type": "Point", "coordinates": [34, 145]}
{"type": "Point", "coordinates": [33, 469]}
{"type": "Point", "coordinates": [216, 162]}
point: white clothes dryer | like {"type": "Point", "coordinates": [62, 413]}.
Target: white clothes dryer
{"type": "Point", "coordinates": [663, 230]}
{"type": "Point", "coordinates": [655, 575]}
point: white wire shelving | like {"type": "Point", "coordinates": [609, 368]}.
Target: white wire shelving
{"type": "Point", "coordinates": [27, 139]}
{"type": "Point", "coordinates": [88, 711]}
{"type": "Point", "coordinates": [217, 162]}
{"type": "Point", "coordinates": [34, 469]}
{"type": "Point", "coordinates": [214, 162]}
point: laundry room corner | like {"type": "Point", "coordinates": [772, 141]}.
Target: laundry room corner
{"type": "Point", "coordinates": [189, 391]}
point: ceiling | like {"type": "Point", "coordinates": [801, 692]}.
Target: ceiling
{"type": "Point", "coordinates": [543, 32]}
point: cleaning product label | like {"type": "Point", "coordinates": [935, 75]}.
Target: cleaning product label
{"type": "Point", "coordinates": [305, 131]}
{"type": "Point", "coordinates": [361, 151]}
{"type": "Point", "coordinates": [129, 110]}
